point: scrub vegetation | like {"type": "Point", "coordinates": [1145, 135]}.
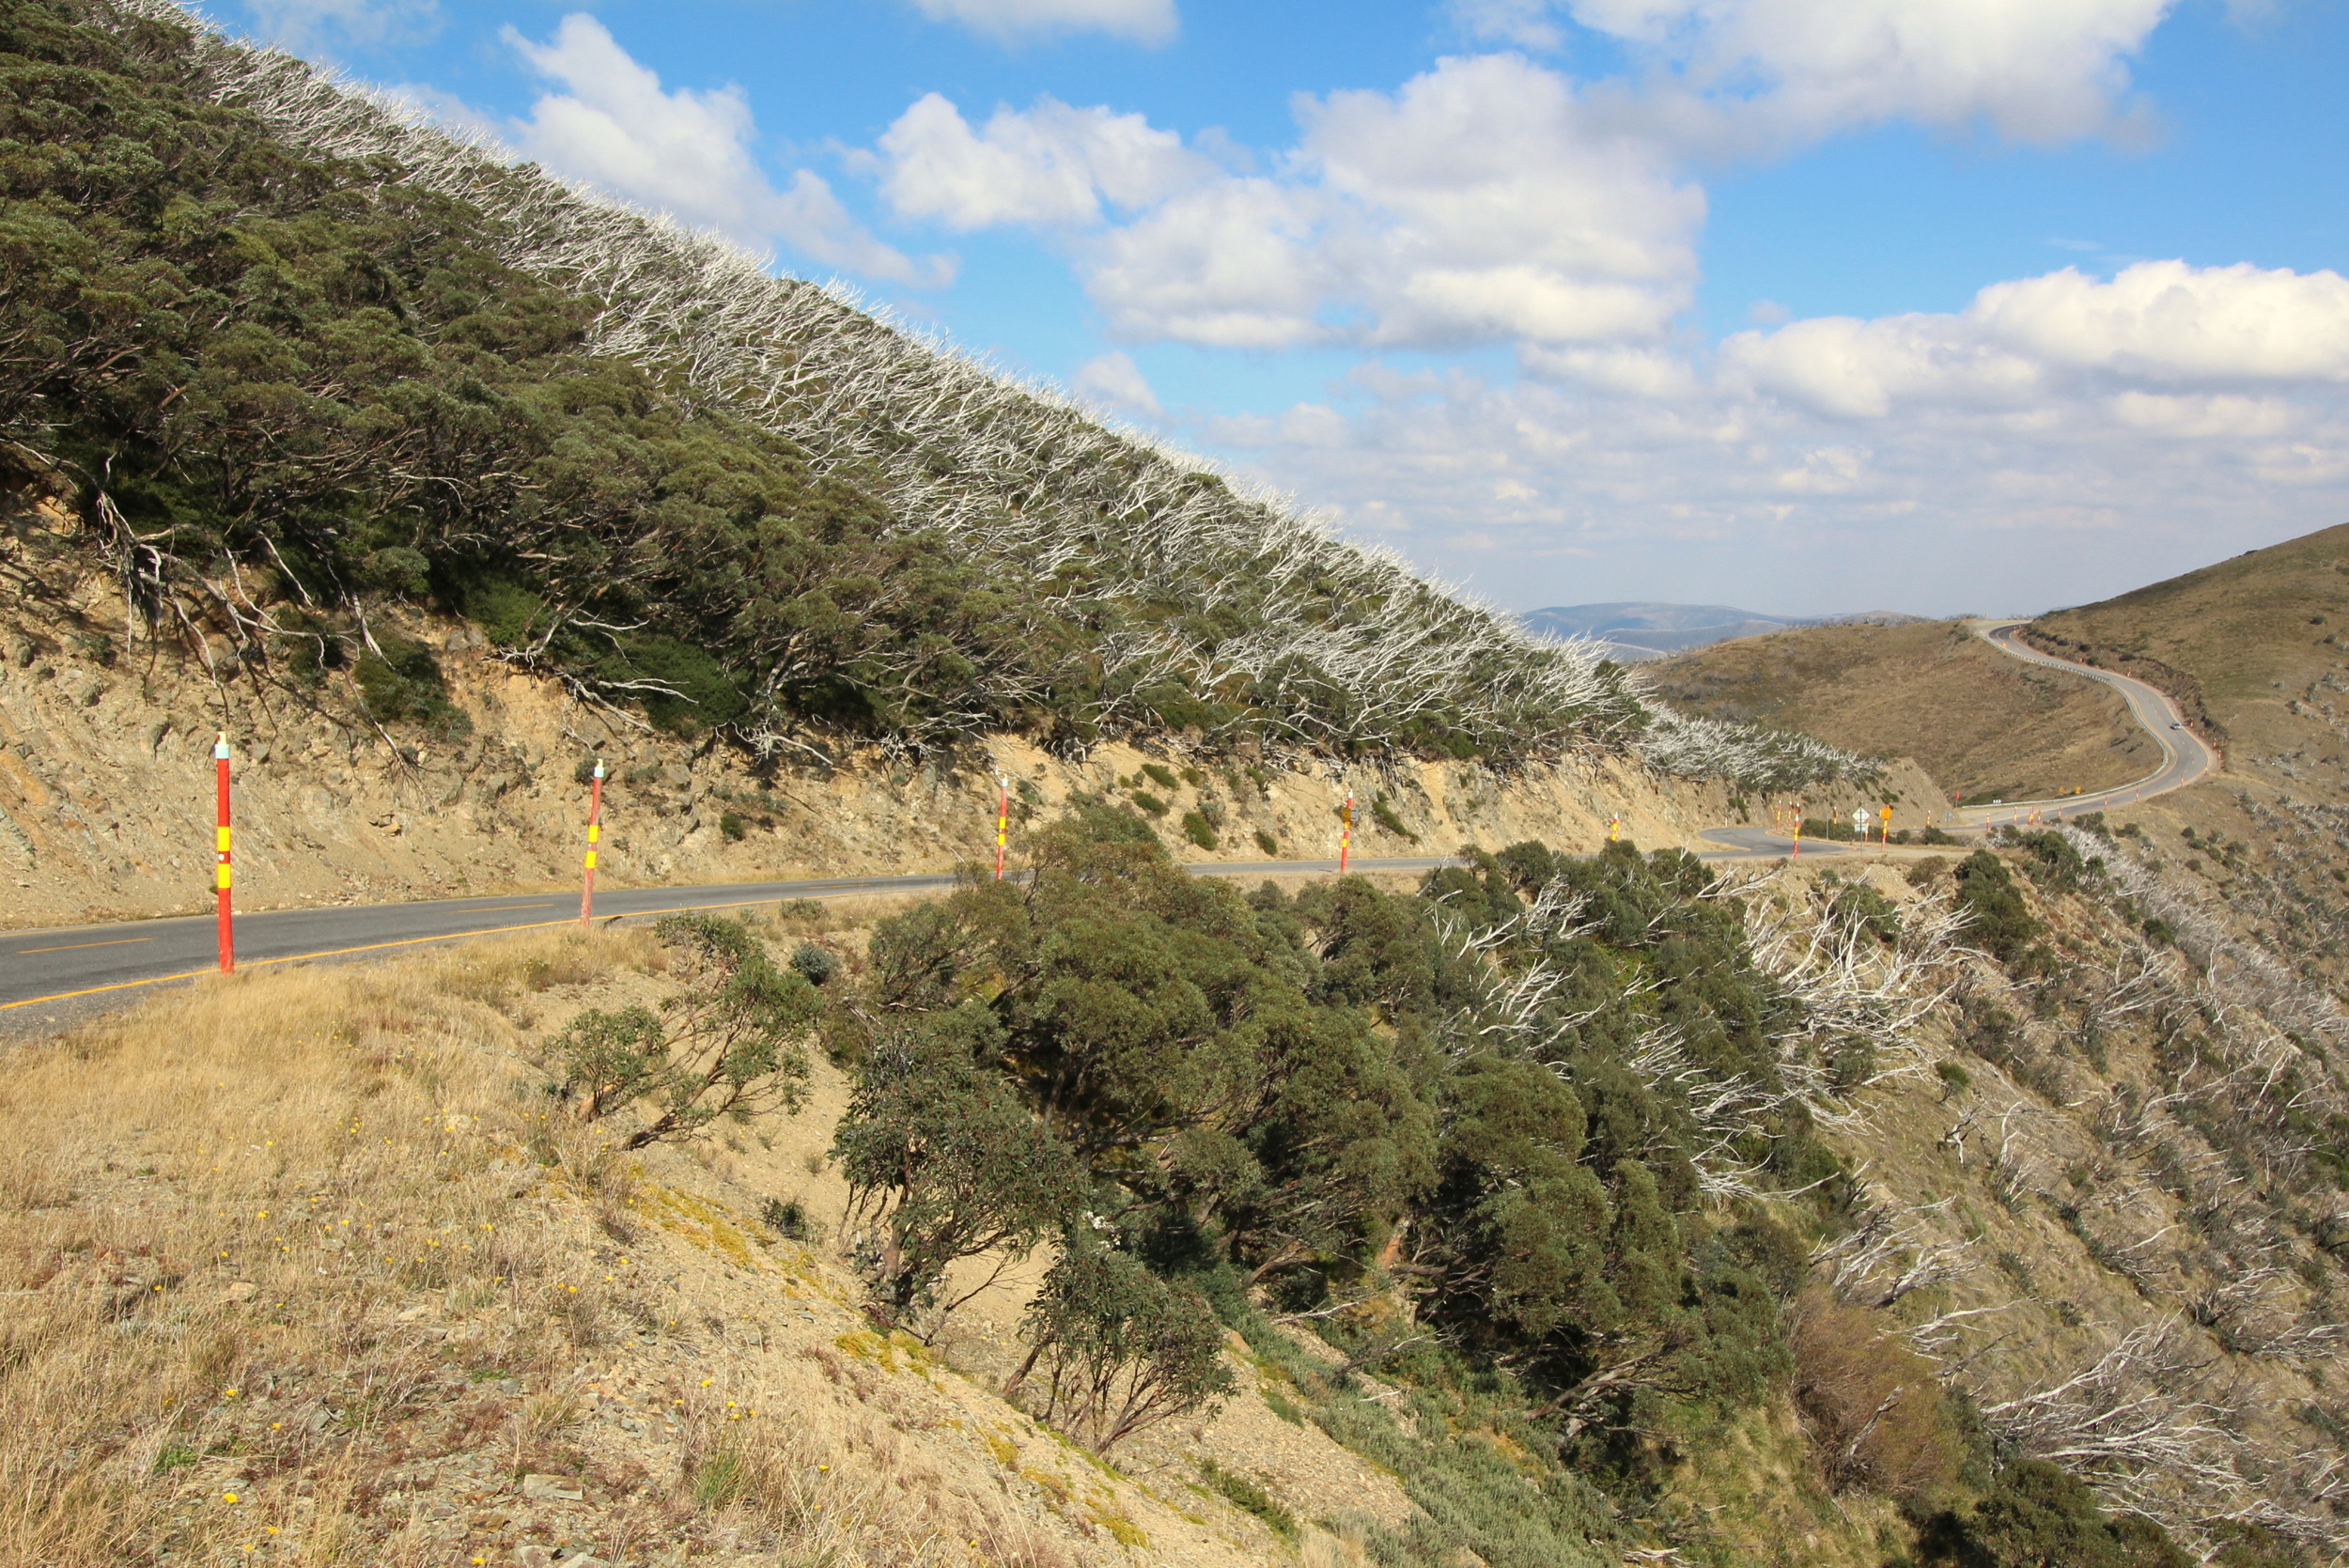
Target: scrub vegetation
{"type": "Point", "coordinates": [283, 357]}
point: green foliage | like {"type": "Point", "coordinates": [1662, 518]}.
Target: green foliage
{"type": "Point", "coordinates": [816, 965]}
{"type": "Point", "coordinates": [584, 772]}
{"type": "Point", "coordinates": [1198, 829]}
{"type": "Point", "coordinates": [1149, 803]}
{"type": "Point", "coordinates": [2052, 863]}
{"type": "Point", "coordinates": [1383, 814]}
{"type": "Point", "coordinates": [1249, 1498]}
{"type": "Point", "coordinates": [726, 1045]}
{"type": "Point", "coordinates": [403, 684]}
{"type": "Point", "coordinates": [944, 1162]}
{"type": "Point", "coordinates": [788, 1218]}
{"type": "Point", "coordinates": [731, 827]}
{"type": "Point", "coordinates": [322, 378]}
{"type": "Point", "coordinates": [1267, 843]}
{"type": "Point", "coordinates": [1159, 774]}
{"type": "Point", "coordinates": [1861, 910]}
{"type": "Point", "coordinates": [1120, 1349]}
{"type": "Point", "coordinates": [1994, 906]}
{"type": "Point", "coordinates": [1957, 1078]}
{"type": "Point", "coordinates": [2038, 1516]}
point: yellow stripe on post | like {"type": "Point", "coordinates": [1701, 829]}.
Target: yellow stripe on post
{"type": "Point", "coordinates": [595, 831]}
{"type": "Point", "coordinates": [223, 839]}
{"type": "Point", "coordinates": [223, 878]}
{"type": "Point", "coordinates": [591, 859]}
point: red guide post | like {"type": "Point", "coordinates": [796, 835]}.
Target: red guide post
{"type": "Point", "coordinates": [220, 843]}
{"type": "Point", "coordinates": [594, 835]}
{"type": "Point", "coordinates": [1003, 821]}
{"type": "Point", "coordinates": [1345, 834]}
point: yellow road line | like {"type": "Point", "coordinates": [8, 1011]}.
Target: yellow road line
{"type": "Point", "coordinates": [374, 947]}
{"type": "Point", "coordinates": [71, 947]}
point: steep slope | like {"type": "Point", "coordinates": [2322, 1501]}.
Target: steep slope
{"type": "Point", "coordinates": [1984, 725]}
{"type": "Point", "coordinates": [424, 374]}
{"type": "Point", "coordinates": [2252, 647]}
{"type": "Point", "coordinates": [317, 1266]}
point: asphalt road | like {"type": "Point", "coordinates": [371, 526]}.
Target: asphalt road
{"type": "Point", "coordinates": [69, 964]}
{"type": "Point", "coordinates": [2185, 758]}
{"type": "Point", "coordinates": [83, 967]}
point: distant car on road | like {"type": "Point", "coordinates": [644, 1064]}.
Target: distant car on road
{"type": "Point", "coordinates": [2177, 727]}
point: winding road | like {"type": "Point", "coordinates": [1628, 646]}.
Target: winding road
{"type": "Point", "coordinates": [2186, 759]}
{"type": "Point", "coordinates": [48, 975]}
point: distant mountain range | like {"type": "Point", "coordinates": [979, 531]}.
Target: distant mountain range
{"type": "Point", "coordinates": [1638, 632]}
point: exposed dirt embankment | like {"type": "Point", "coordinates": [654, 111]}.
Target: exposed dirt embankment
{"type": "Point", "coordinates": [106, 792]}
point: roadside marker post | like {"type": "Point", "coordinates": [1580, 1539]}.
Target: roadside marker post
{"type": "Point", "coordinates": [222, 874]}
{"type": "Point", "coordinates": [1345, 834]}
{"type": "Point", "coordinates": [1798, 830]}
{"type": "Point", "coordinates": [1615, 827]}
{"type": "Point", "coordinates": [1886, 816]}
{"type": "Point", "coordinates": [595, 837]}
{"type": "Point", "coordinates": [1003, 821]}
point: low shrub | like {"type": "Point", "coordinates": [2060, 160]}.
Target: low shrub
{"type": "Point", "coordinates": [1873, 1407]}
{"type": "Point", "coordinates": [816, 965]}
{"type": "Point", "coordinates": [1246, 1496]}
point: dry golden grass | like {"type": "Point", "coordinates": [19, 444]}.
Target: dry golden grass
{"type": "Point", "coordinates": [281, 1254]}
{"type": "Point", "coordinates": [1974, 719]}
{"type": "Point", "coordinates": [215, 1209]}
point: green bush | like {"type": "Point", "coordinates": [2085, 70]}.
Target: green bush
{"type": "Point", "coordinates": [816, 965]}
{"type": "Point", "coordinates": [1249, 1498]}
{"type": "Point", "coordinates": [1994, 906]}
{"type": "Point", "coordinates": [2037, 1516]}
{"type": "Point", "coordinates": [1120, 1350]}
{"type": "Point", "coordinates": [1863, 912]}
{"type": "Point", "coordinates": [1197, 828]}
{"type": "Point", "coordinates": [403, 685]}
{"type": "Point", "coordinates": [1383, 814]}
{"type": "Point", "coordinates": [731, 827]}
{"type": "Point", "coordinates": [944, 1162]}
{"type": "Point", "coordinates": [788, 1218]}
{"type": "Point", "coordinates": [1267, 843]}
{"type": "Point", "coordinates": [726, 1045]}
{"type": "Point", "coordinates": [1161, 776]}
{"type": "Point", "coordinates": [1150, 802]}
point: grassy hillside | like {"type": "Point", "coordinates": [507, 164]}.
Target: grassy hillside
{"type": "Point", "coordinates": [2253, 648]}
{"type": "Point", "coordinates": [1556, 1211]}
{"type": "Point", "coordinates": [2251, 645]}
{"type": "Point", "coordinates": [282, 354]}
{"type": "Point", "coordinates": [1985, 725]}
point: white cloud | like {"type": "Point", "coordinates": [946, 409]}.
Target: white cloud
{"type": "Point", "coordinates": [2169, 321]}
{"type": "Point", "coordinates": [1483, 201]}
{"type": "Point", "coordinates": [1117, 383]}
{"type": "Point", "coordinates": [2060, 428]}
{"type": "Point", "coordinates": [1051, 164]}
{"type": "Point", "coordinates": [1150, 21]}
{"type": "Point", "coordinates": [2158, 322]}
{"type": "Point", "coordinates": [1231, 265]}
{"type": "Point", "coordinates": [313, 27]}
{"type": "Point", "coordinates": [1526, 24]}
{"type": "Point", "coordinates": [2038, 70]}
{"type": "Point", "coordinates": [686, 152]}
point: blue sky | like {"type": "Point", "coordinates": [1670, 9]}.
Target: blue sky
{"type": "Point", "coordinates": [1803, 306]}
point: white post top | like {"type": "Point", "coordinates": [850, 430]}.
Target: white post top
{"type": "Point", "coordinates": [220, 748]}
{"type": "Point", "coordinates": [599, 768]}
